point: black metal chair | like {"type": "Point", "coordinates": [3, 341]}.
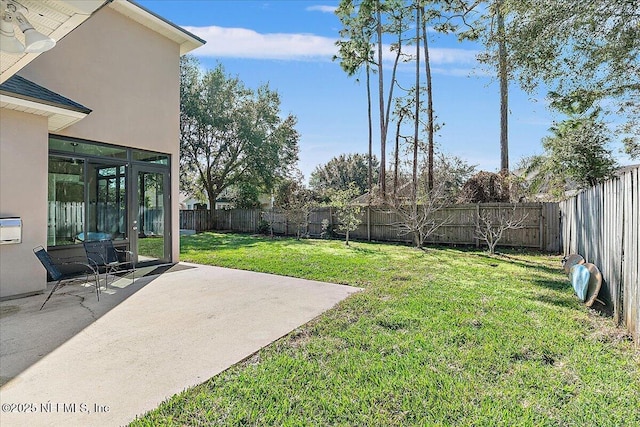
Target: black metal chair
{"type": "Point", "coordinates": [63, 279]}
{"type": "Point", "coordinates": [102, 255]}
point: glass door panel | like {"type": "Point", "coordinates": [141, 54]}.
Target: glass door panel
{"type": "Point", "coordinates": [66, 201]}
{"type": "Point", "coordinates": [151, 222]}
{"type": "Point", "coordinates": [107, 209]}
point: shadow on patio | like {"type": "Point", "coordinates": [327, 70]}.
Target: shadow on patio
{"type": "Point", "coordinates": [84, 362]}
{"type": "Point", "coordinates": [27, 333]}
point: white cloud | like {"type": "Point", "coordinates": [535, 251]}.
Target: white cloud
{"type": "Point", "coordinates": [458, 72]}
{"type": "Point", "coordinates": [321, 8]}
{"type": "Point", "coordinates": [461, 72]}
{"type": "Point", "coordinates": [224, 42]}
{"type": "Point", "coordinates": [452, 56]}
{"type": "Point", "coordinates": [445, 61]}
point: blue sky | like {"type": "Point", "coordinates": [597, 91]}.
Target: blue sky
{"type": "Point", "coordinates": [289, 44]}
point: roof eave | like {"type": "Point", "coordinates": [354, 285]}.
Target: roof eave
{"type": "Point", "coordinates": [58, 117]}
{"type": "Point", "coordinates": [83, 12]}
{"type": "Point", "coordinates": [157, 23]}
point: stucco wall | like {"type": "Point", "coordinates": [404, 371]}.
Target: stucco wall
{"type": "Point", "coordinates": [23, 193]}
{"type": "Point", "coordinates": [129, 76]}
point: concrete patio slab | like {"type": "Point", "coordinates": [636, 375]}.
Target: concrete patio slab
{"type": "Point", "coordinates": [84, 362]}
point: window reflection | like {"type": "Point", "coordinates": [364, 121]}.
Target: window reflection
{"type": "Point", "coordinates": [90, 188]}
{"type": "Point", "coordinates": [151, 212]}
{"type": "Point", "coordinates": [84, 148]}
{"type": "Point", "coordinates": [150, 157]}
{"type": "Point", "coordinates": [107, 202]}
{"type": "Point", "coordinates": [66, 200]}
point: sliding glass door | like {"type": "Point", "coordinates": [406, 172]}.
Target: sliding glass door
{"type": "Point", "coordinates": [107, 201]}
{"type": "Point", "coordinates": [99, 191]}
{"type": "Point", "coordinates": [150, 231]}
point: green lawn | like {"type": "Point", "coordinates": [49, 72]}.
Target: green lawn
{"type": "Point", "coordinates": [152, 247]}
{"type": "Point", "coordinates": [439, 337]}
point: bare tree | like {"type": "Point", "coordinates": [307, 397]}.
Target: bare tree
{"type": "Point", "coordinates": [492, 224]}
{"type": "Point", "coordinates": [418, 215]}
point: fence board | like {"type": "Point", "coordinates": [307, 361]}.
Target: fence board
{"type": "Point", "coordinates": [602, 224]}
{"type": "Point", "coordinates": [198, 220]}
{"type": "Point", "coordinates": [540, 229]}
{"type": "Point", "coordinates": [551, 218]}
{"type": "Point", "coordinates": [66, 221]}
{"type": "Point", "coordinates": [631, 290]}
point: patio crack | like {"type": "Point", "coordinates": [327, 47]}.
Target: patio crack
{"type": "Point", "coordinates": [94, 316]}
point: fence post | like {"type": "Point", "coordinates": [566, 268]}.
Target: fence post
{"type": "Point", "coordinates": [331, 220]}
{"type": "Point", "coordinates": [256, 220]}
{"type": "Point", "coordinates": [468, 220]}
{"type": "Point", "coordinates": [306, 222]}
{"type": "Point", "coordinates": [475, 233]}
{"type": "Point", "coordinates": [368, 222]}
{"type": "Point", "coordinates": [541, 219]}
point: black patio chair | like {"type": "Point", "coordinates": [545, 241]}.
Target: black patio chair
{"type": "Point", "coordinates": [63, 279]}
{"type": "Point", "coordinates": [102, 255]}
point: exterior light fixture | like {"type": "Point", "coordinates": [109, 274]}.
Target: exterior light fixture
{"type": "Point", "coordinates": [34, 40]}
{"type": "Point", "coordinates": [12, 13]}
{"type": "Point", "coordinates": [8, 41]}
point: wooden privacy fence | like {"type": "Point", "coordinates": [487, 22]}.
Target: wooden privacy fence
{"type": "Point", "coordinates": [241, 220]}
{"type": "Point", "coordinates": [539, 230]}
{"type": "Point", "coordinates": [601, 224]}
{"type": "Point", "coordinates": [198, 220]}
{"type": "Point", "coordinates": [66, 221]}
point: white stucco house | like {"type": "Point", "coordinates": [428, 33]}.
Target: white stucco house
{"type": "Point", "coordinates": [224, 201]}
{"type": "Point", "coordinates": [89, 133]}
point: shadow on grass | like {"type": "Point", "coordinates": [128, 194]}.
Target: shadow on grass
{"type": "Point", "coordinates": [602, 309]}
{"type": "Point", "coordinates": [211, 241]}
{"type": "Point", "coordinates": [361, 250]}
{"type": "Point", "coordinates": [554, 285]}
{"type": "Point", "coordinates": [520, 262]}
{"type": "Point", "coordinates": [560, 301]}
{"type": "Point", "coordinates": [598, 306]}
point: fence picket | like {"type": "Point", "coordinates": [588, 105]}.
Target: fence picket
{"type": "Point", "coordinates": [541, 226]}
{"type": "Point", "coordinates": [602, 224]}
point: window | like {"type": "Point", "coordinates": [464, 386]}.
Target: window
{"type": "Point", "coordinates": [107, 209]}
{"type": "Point", "coordinates": [150, 157]}
{"type": "Point", "coordinates": [84, 148]}
{"type": "Point", "coordinates": [90, 191]}
{"type": "Point", "coordinates": [66, 200]}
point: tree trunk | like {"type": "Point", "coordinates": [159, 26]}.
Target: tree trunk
{"type": "Point", "coordinates": [416, 127]}
{"type": "Point", "coordinates": [212, 196]}
{"type": "Point", "coordinates": [382, 179]}
{"type": "Point", "coordinates": [396, 162]}
{"type": "Point", "coordinates": [370, 119]}
{"type": "Point", "coordinates": [504, 91]}
{"type": "Point", "coordinates": [212, 205]}
{"type": "Point", "coordinates": [430, 124]}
